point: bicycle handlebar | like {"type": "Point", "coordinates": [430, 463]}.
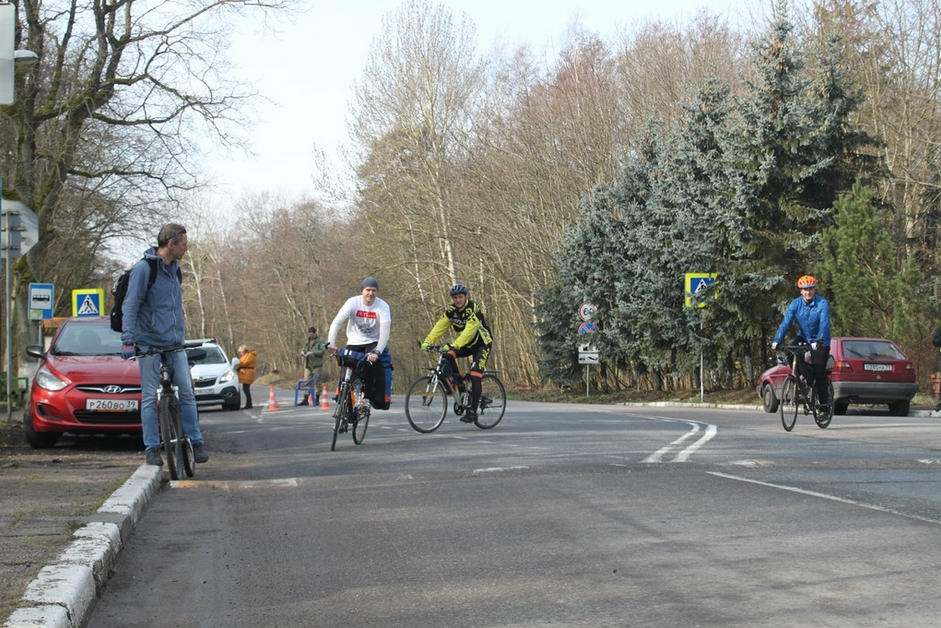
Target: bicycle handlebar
{"type": "Point", "coordinates": [430, 348]}
{"type": "Point", "coordinates": [144, 354]}
{"type": "Point", "coordinates": [797, 347]}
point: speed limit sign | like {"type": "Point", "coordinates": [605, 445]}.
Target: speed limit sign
{"type": "Point", "coordinates": [587, 311]}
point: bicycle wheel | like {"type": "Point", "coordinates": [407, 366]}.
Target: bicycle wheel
{"type": "Point", "coordinates": [790, 401]}
{"type": "Point", "coordinates": [360, 415]}
{"type": "Point", "coordinates": [492, 402]}
{"type": "Point", "coordinates": [426, 405]}
{"type": "Point", "coordinates": [823, 417]}
{"type": "Point", "coordinates": [168, 414]}
{"type": "Point", "coordinates": [339, 412]}
{"type": "Point", "coordinates": [189, 458]}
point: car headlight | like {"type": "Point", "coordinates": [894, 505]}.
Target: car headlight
{"type": "Point", "coordinates": [45, 379]}
{"type": "Point", "coordinates": [227, 377]}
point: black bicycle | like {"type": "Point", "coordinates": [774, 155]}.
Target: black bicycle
{"type": "Point", "coordinates": [351, 409]}
{"type": "Point", "coordinates": [426, 404]}
{"type": "Point", "coordinates": [797, 394]}
{"type": "Point", "coordinates": [177, 447]}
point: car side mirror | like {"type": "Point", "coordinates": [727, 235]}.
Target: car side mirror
{"type": "Point", "coordinates": [35, 351]}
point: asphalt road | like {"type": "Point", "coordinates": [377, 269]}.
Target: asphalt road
{"type": "Point", "coordinates": [564, 515]}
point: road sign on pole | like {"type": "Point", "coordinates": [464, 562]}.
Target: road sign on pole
{"type": "Point", "coordinates": [695, 288]}
{"type": "Point", "coordinates": [23, 225]}
{"type": "Point", "coordinates": [587, 311]}
{"type": "Point", "coordinates": [88, 302]}
{"type": "Point", "coordinates": [7, 36]}
{"type": "Point", "coordinates": [42, 300]}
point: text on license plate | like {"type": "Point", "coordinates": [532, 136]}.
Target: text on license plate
{"type": "Point", "coordinates": [111, 405]}
{"type": "Point", "coordinates": [877, 367]}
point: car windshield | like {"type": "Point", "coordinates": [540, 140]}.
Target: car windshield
{"type": "Point", "coordinates": [871, 350]}
{"type": "Point", "coordinates": [87, 339]}
{"type": "Point", "coordinates": [214, 355]}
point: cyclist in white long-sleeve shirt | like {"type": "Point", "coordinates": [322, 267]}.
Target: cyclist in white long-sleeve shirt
{"type": "Point", "coordinates": [368, 324]}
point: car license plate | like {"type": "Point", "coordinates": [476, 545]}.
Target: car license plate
{"type": "Point", "coordinates": [111, 405]}
{"type": "Point", "coordinates": [877, 367]}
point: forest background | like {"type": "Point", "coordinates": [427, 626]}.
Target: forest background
{"type": "Point", "coordinates": [809, 144]}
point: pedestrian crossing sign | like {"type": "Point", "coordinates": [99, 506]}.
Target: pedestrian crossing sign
{"type": "Point", "coordinates": [87, 302]}
{"type": "Point", "coordinates": [695, 288]}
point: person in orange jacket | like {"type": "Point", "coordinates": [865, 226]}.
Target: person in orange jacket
{"type": "Point", "coordinates": [246, 370]}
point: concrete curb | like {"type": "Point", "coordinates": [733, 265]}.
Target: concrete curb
{"type": "Point", "coordinates": [63, 593]}
{"type": "Point", "coordinates": [740, 406]}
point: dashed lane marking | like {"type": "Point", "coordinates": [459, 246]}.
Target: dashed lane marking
{"type": "Point", "coordinates": [499, 469]}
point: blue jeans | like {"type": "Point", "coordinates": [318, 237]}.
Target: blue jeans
{"type": "Point", "coordinates": [150, 383]}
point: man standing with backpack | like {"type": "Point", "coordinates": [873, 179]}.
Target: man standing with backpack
{"type": "Point", "coordinates": [151, 314]}
{"type": "Point", "coordinates": [313, 362]}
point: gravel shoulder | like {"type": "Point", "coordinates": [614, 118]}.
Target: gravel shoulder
{"type": "Point", "coordinates": [45, 495]}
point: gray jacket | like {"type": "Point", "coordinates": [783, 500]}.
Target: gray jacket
{"type": "Point", "coordinates": [154, 318]}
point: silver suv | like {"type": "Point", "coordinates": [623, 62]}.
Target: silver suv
{"type": "Point", "coordinates": [214, 378]}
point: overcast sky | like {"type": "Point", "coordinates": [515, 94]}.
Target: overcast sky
{"type": "Point", "coordinates": [307, 65]}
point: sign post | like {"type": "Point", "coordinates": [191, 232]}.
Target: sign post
{"type": "Point", "coordinates": [587, 352]}
{"type": "Point", "coordinates": [696, 287]}
{"type": "Point", "coordinates": [20, 232]}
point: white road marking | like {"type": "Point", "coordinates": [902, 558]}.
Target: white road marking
{"type": "Point", "coordinates": [229, 485]}
{"type": "Point", "coordinates": [711, 431]}
{"type": "Point", "coordinates": [498, 469]}
{"type": "Point", "coordinates": [657, 455]}
{"type": "Point", "coordinates": [834, 498]}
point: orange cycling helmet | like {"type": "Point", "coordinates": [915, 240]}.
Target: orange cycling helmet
{"type": "Point", "coordinates": [807, 281]}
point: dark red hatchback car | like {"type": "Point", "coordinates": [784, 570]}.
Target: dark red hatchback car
{"type": "Point", "coordinates": [865, 371]}
{"type": "Point", "coordinates": [82, 384]}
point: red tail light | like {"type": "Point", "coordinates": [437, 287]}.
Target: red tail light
{"type": "Point", "coordinates": [843, 366]}
{"type": "Point", "coordinates": [909, 366]}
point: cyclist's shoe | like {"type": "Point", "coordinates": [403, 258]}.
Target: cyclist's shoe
{"type": "Point", "coordinates": [199, 453]}
{"type": "Point", "coordinates": [153, 457]}
{"type": "Point", "coordinates": [937, 408]}
{"type": "Point", "coordinates": [343, 427]}
{"type": "Point", "coordinates": [485, 402]}
{"type": "Point", "coordinates": [469, 416]}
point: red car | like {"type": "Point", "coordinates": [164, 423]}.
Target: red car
{"type": "Point", "coordinates": [865, 371]}
{"type": "Point", "coordinates": [82, 384]}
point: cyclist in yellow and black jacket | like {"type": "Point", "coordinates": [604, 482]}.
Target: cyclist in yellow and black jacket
{"type": "Point", "coordinates": [473, 338]}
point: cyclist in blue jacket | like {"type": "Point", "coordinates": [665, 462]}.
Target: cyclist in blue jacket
{"type": "Point", "coordinates": [812, 315]}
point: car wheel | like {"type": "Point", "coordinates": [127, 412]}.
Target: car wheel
{"type": "Point", "coordinates": [768, 399]}
{"type": "Point", "coordinates": [899, 408]}
{"type": "Point", "coordinates": [839, 407]}
{"type": "Point", "coordinates": [232, 405]}
{"type": "Point", "coordinates": [37, 440]}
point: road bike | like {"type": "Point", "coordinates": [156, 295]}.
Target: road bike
{"type": "Point", "coordinates": [797, 394]}
{"type": "Point", "coordinates": [351, 409]}
{"type": "Point", "coordinates": [177, 447]}
{"type": "Point", "coordinates": [426, 403]}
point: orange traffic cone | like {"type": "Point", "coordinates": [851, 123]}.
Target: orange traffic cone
{"type": "Point", "coordinates": [324, 402]}
{"type": "Point", "coordinates": [272, 402]}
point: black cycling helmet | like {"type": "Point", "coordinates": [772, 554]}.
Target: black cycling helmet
{"type": "Point", "coordinates": [457, 289]}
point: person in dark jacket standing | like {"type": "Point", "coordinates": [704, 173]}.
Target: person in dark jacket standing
{"type": "Point", "coordinates": [154, 320]}
{"type": "Point", "coordinates": [313, 362]}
